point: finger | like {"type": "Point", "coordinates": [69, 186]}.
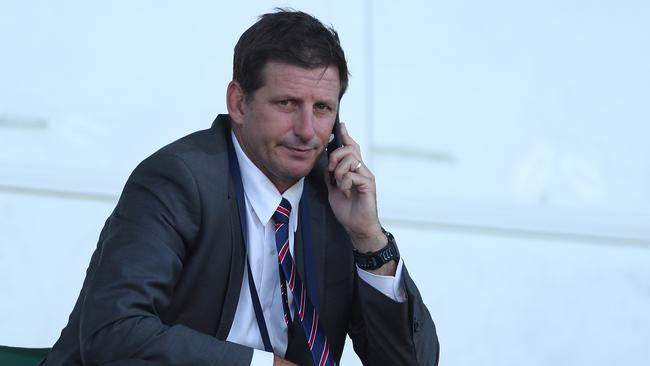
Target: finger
{"type": "Point", "coordinates": [355, 182]}
{"type": "Point", "coordinates": [346, 138]}
{"type": "Point", "coordinates": [349, 164]}
{"type": "Point", "coordinates": [340, 154]}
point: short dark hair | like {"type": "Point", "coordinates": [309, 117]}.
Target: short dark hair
{"type": "Point", "coordinates": [287, 36]}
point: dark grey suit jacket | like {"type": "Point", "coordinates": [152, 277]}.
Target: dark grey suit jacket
{"type": "Point", "coordinates": [163, 284]}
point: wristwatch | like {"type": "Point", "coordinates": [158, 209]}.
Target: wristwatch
{"type": "Point", "coordinates": [374, 260]}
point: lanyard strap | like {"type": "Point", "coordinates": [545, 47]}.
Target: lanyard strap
{"type": "Point", "coordinates": [258, 311]}
{"type": "Point", "coordinates": [306, 241]}
{"type": "Point", "coordinates": [239, 190]}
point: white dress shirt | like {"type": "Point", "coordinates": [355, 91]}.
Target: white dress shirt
{"type": "Point", "coordinates": [262, 199]}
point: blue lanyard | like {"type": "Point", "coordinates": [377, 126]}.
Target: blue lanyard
{"type": "Point", "coordinates": [308, 257]}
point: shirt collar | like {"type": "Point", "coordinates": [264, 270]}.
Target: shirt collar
{"type": "Point", "coordinates": [262, 195]}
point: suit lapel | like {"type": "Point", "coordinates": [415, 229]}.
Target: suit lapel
{"type": "Point", "coordinates": [235, 239]}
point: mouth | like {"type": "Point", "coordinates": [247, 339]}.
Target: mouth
{"type": "Point", "coordinates": [301, 151]}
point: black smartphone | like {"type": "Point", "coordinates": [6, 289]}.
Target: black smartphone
{"type": "Point", "coordinates": [334, 143]}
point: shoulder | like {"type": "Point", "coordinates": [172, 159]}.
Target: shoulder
{"type": "Point", "coordinates": [198, 152]}
{"type": "Point", "coordinates": [200, 145]}
{"type": "Point", "coordinates": [196, 162]}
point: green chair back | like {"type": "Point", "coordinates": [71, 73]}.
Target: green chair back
{"type": "Point", "coordinates": [16, 356]}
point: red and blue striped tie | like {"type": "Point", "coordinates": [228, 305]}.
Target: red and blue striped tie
{"type": "Point", "coordinates": [314, 332]}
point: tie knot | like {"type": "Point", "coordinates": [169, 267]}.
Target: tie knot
{"type": "Point", "coordinates": [281, 214]}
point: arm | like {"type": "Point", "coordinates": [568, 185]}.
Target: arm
{"type": "Point", "coordinates": [384, 332]}
{"type": "Point", "coordinates": [141, 258]}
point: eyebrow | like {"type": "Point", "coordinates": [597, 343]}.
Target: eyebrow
{"type": "Point", "coordinates": [332, 102]}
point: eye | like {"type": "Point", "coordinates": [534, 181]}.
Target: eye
{"type": "Point", "coordinates": [323, 107]}
{"type": "Point", "coordinates": [286, 104]}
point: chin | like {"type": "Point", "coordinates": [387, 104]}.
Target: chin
{"type": "Point", "coordinates": [301, 174]}
{"type": "Point", "coordinates": [296, 174]}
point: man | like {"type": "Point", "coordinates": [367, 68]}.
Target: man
{"type": "Point", "coordinates": [232, 245]}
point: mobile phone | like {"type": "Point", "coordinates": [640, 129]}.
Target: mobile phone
{"type": "Point", "coordinates": [334, 143]}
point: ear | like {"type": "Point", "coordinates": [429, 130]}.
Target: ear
{"type": "Point", "coordinates": [235, 100]}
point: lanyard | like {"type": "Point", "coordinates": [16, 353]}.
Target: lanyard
{"type": "Point", "coordinates": [308, 257]}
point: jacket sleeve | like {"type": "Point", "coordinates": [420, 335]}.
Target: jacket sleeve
{"type": "Point", "coordinates": [385, 332]}
{"type": "Point", "coordinates": [141, 255]}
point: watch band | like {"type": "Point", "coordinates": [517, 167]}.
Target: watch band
{"type": "Point", "coordinates": [374, 260]}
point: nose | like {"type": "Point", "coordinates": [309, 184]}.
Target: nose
{"type": "Point", "coordinates": [304, 125]}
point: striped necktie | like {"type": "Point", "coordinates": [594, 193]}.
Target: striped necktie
{"type": "Point", "coordinates": [314, 332]}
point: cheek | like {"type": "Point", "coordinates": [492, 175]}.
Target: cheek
{"type": "Point", "coordinates": [324, 132]}
{"type": "Point", "coordinates": [267, 139]}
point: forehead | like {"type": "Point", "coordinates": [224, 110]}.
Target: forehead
{"type": "Point", "coordinates": [321, 82]}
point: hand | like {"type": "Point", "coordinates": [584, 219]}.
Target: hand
{"type": "Point", "coordinates": [353, 199]}
{"type": "Point", "coordinates": [277, 361]}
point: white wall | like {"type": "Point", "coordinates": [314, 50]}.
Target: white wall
{"type": "Point", "coordinates": [508, 140]}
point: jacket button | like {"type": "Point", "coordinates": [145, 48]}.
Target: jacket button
{"type": "Point", "coordinates": [416, 326]}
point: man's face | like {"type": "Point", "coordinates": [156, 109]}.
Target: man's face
{"type": "Point", "coordinates": [285, 125]}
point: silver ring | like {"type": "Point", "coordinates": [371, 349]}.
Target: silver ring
{"type": "Point", "coordinates": [358, 166]}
